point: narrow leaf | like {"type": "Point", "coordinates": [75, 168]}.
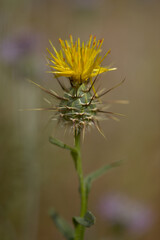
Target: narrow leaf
{"type": "Point", "coordinates": [87, 221]}
{"type": "Point", "coordinates": [93, 176]}
{"type": "Point", "coordinates": [60, 144]}
{"type": "Point", "coordinates": [65, 228]}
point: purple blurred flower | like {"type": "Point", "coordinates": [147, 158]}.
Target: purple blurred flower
{"type": "Point", "coordinates": [16, 47]}
{"type": "Point", "coordinates": [133, 216]}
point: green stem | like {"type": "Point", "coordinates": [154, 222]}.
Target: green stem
{"type": "Point", "coordinates": [79, 230]}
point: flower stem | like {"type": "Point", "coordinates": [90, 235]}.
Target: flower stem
{"type": "Point", "coordinates": [79, 230]}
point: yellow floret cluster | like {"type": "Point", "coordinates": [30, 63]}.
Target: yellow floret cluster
{"type": "Point", "coordinates": [76, 61]}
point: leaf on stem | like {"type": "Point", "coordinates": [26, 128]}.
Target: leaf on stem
{"type": "Point", "coordinates": [87, 221]}
{"type": "Point", "coordinates": [60, 144]}
{"type": "Point", "coordinates": [65, 228]}
{"type": "Point", "coordinates": [93, 176]}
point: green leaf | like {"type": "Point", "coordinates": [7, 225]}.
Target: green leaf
{"type": "Point", "coordinates": [87, 221]}
{"type": "Point", "coordinates": [65, 228]}
{"type": "Point", "coordinates": [60, 144]}
{"type": "Point", "coordinates": [93, 176]}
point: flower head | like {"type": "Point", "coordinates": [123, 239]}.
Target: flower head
{"type": "Point", "coordinates": [78, 62]}
{"type": "Point", "coordinates": [80, 105]}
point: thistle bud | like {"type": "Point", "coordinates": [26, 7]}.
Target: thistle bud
{"type": "Point", "coordinates": [80, 106]}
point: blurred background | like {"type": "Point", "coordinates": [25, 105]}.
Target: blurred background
{"type": "Point", "coordinates": [35, 175]}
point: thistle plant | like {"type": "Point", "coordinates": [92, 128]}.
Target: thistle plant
{"type": "Point", "coordinates": [79, 108]}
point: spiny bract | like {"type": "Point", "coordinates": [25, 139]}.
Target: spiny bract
{"type": "Point", "coordinates": [78, 108]}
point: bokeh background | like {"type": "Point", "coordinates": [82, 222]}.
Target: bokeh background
{"type": "Point", "coordinates": [34, 175]}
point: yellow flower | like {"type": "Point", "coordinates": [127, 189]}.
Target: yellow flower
{"type": "Point", "coordinates": [78, 62]}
